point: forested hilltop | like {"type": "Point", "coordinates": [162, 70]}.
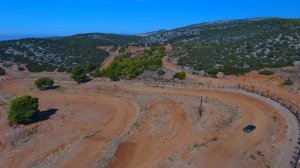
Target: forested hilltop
{"type": "Point", "coordinates": [238, 46]}
{"type": "Point", "coordinates": [48, 54]}
{"type": "Point", "coordinates": [231, 46]}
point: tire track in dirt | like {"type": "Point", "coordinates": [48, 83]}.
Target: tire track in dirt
{"type": "Point", "coordinates": [145, 152]}
{"type": "Point", "coordinates": [150, 150]}
{"type": "Point", "coordinates": [234, 145]}
{"type": "Point", "coordinates": [90, 151]}
{"type": "Point", "coordinates": [78, 116]}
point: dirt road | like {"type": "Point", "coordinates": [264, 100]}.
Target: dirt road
{"type": "Point", "coordinates": [112, 56]}
{"type": "Point", "coordinates": [233, 146]}
{"type": "Point", "coordinates": [85, 123]}
{"type": "Point", "coordinates": [91, 120]}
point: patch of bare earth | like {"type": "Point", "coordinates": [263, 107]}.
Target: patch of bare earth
{"type": "Point", "coordinates": [124, 125]}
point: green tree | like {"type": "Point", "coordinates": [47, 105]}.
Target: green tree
{"type": "Point", "coordinates": [180, 75]}
{"type": "Point", "coordinates": [43, 83]}
{"type": "Point", "coordinates": [61, 69]}
{"type": "Point", "coordinates": [288, 81]}
{"type": "Point", "coordinates": [266, 72]}
{"type": "Point", "coordinates": [78, 73]}
{"type": "Point", "coordinates": [97, 73]}
{"type": "Point", "coordinates": [89, 67]}
{"type": "Point", "coordinates": [161, 72]}
{"type": "Point", "coordinates": [22, 109]}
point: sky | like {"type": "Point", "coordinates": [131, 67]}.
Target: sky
{"type": "Point", "coordinates": [43, 18]}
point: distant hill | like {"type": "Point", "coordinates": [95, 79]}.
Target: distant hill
{"type": "Point", "coordinates": [243, 44]}
{"type": "Point", "coordinates": [235, 46]}
{"type": "Point", "coordinates": [42, 54]}
{"type": "Point", "coordinates": [223, 31]}
{"type": "Point", "coordinates": [152, 33]}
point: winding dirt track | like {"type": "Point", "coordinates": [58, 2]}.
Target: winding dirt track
{"type": "Point", "coordinates": [107, 117]}
{"type": "Point", "coordinates": [234, 145]}
{"type": "Point", "coordinates": [92, 120]}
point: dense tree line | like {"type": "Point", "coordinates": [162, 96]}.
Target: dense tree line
{"type": "Point", "coordinates": [132, 67]}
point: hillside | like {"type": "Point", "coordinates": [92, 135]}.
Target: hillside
{"type": "Point", "coordinates": [231, 46]}
{"type": "Point", "coordinates": [42, 54]}
{"type": "Point", "coordinates": [235, 46]}
{"type": "Point", "coordinates": [224, 31]}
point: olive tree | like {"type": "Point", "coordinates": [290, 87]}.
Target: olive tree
{"type": "Point", "coordinates": [22, 109]}
{"type": "Point", "coordinates": [180, 75]}
{"type": "Point", "coordinates": [78, 73]}
{"type": "Point", "coordinates": [44, 82]}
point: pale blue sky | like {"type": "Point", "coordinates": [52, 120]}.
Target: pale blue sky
{"type": "Point", "coordinates": [25, 18]}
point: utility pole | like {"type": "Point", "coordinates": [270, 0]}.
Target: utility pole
{"type": "Point", "coordinates": [200, 108]}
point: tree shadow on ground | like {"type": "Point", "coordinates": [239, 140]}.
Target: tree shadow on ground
{"type": "Point", "coordinates": [44, 115]}
{"type": "Point", "coordinates": [53, 87]}
{"type": "Point", "coordinates": [85, 80]}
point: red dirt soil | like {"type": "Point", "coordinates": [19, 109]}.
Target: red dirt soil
{"type": "Point", "coordinates": [86, 123]}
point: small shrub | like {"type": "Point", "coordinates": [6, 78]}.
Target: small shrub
{"type": "Point", "coordinates": [21, 68]}
{"type": "Point", "coordinates": [214, 138]}
{"type": "Point", "coordinates": [2, 71]}
{"type": "Point", "coordinates": [22, 109]}
{"type": "Point", "coordinates": [252, 157]}
{"type": "Point", "coordinates": [114, 77]}
{"type": "Point", "coordinates": [180, 75]}
{"type": "Point", "coordinates": [266, 72]}
{"type": "Point", "coordinates": [44, 83]}
{"type": "Point", "coordinates": [61, 69]}
{"type": "Point", "coordinates": [78, 73]}
{"type": "Point", "coordinates": [288, 81]}
{"type": "Point", "coordinates": [89, 67]}
{"type": "Point", "coordinates": [161, 72]}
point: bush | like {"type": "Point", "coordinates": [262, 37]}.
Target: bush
{"type": "Point", "coordinates": [89, 67]}
{"type": "Point", "coordinates": [289, 81]}
{"type": "Point", "coordinates": [21, 68]}
{"type": "Point", "coordinates": [78, 73]}
{"type": "Point", "coordinates": [2, 71]}
{"type": "Point", "coordinates": [43, 83]}
{"type": "Point", "coordinates": [266, 72]}
{"type": "Point", "coordinates": [161, 72]}
{"type": "Point", "coordinates": [61, 69]}
{"type": "Point", "coordinates": [22, 109]}
{"type": "Point", "coordinates": [180, 75]}
{"type": "Point", "coordinates": [131, 67]}
{"type": "Point", "coordinates": [126, 67]}
{"type": "Point", "coordinates": [97, 73]}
